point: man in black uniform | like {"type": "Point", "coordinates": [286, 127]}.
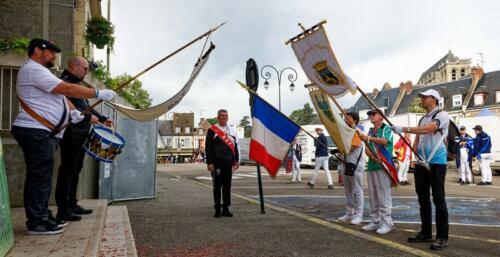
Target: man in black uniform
{"type": "Point", "coordinates": [72, 153]}
{"type": "Point", "coordinates": [221, 147]}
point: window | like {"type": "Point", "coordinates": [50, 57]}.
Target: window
{"type": "Point", "coordinates": [187, 130]}
{"type": "Point", "coordinates": [169, 142]}
{"type": "Point", "coordinates": [200, 131]}
{"type": "Point", "coordinates": [177, 130]}
{"type": "Point", "coordinates": [441, 103]}
{"type": "Point", "coordinates": [478, 99]}
{"type": "Point", "coordinates": [188, 143]}
{"type": "Point", "coordinates": [182, 143]}
{"type": "Point", "coordinates": [457, 100]}
{"type": "Point", "coordinates": [462, 72]}
{"type": "Point", "coordinates": [386, 102]}
{"type": "Point", "coordinates": [453, 74]}
{"type": "Point", "coordinates": [497, 96]}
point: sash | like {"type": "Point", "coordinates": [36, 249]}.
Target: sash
{"type": "Point", "coordinates": [55, 129]}
{"type": "Point", "coordinates": [386, 159]}
{"type": "Point", "coordinates": [224, 138]}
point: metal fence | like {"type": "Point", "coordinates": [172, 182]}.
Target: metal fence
{"type": "Point", "coordinates": [9, 106]}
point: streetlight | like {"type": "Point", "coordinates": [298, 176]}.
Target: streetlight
{"type": "Point", "coordinates": [292, 77]}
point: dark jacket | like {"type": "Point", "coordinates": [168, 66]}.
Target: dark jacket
{"type": "Point", "coordinates": [217, 152]}
{"type": "Point", "coordinates": [80, 104]}
{"type": "Point", "coordinates": [321, 149]}
{"type": "Point", "coordinates": [469, 144]}
{"type": "Point", "coordinates": [482, 144]}
{"type": "Point", "coordinates": [298, 152]}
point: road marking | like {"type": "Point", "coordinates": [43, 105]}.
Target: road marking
{"type": "Point", "coordinates": [457, 236]}
{"type": "Point", "coordinates": [385, 242]}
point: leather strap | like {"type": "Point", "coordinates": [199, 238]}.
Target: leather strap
{"type": "Point", "coordinates": [35, 115]}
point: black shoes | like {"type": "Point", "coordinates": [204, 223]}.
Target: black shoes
{"type": "Point", "coordinates": [217, 213]}
{"type": "Point", "coordinates": [310, 185]}
{"type": "Point", "coordinates": [483, 183]}
{"type": "Point", "coordinates": [61, 223]}
{"type": "Point", "coordinates": [439, 244]}
{"type": "Point", "coordinates": [44, 228]}
{"type": "Point", "coordinates": [226, 213]}
{"type": "Point", "coordinates": [419, 238]}
{"type": "Point", "coordinates": [67, 215]}
{"type": "Point", "coordinates": [330, 187]}
{"type": "Point", "coordinates": [79, 210]}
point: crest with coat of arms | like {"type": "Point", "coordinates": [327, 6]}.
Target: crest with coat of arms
{"type": "Point", "coordinates": [325, 73]}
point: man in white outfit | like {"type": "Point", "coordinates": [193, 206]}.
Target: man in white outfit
{"type": "Point", "coordinates": [322, 157]}
{"type": "Point", "coordinates": [482, 152]}
{"type": "Point", "coordinates": [296, 159]}
{"type": "Point", "coordinates": [353, 179]}
{"type": "Point", "coordinates": [465, 146]}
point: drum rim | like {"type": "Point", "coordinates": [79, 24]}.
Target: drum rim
{"type": "Point", "coordinates": [105, 140]}
{"type": "Point", "coordinates": [96, 157]}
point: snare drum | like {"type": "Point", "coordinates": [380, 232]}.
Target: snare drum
{"type": "Point", "coordinates": [103, 144]}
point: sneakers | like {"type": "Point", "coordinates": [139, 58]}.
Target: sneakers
{"type": "Point", "coordinates": [461, 183]}
{"type": "Point", "coordinates": [419, 238]}
{"type": "Point", "coordinates": [226, 213]}
{"type": "Point", "coordinates": [439, 244]}
{"type": "Point", "coordinates": [44, 228]}
{"type": "Point", "coordinates": [330, 187]}
{"type": "Point", "coordinates": [356, 220]}
{"type": "Point", "coordinates": [310, 185]}
{"type": "Point", "coordinates": [79, 210]}
{"type": "Point", "coordinates": [371, 226]}
{"type": "Point", "coordinates": [344, 218]}
{"type": "Point", "coordinates": [482, 183]}
{"type": "Point", "coordinates": [489, 183]}
{"type": "Point", "coordinates": [384, 229]}
{"type": "Point", "coordinates": [59, 222]}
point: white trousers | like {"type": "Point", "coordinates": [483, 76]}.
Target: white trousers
{"type": "Point", "coordinates": [465, 173]}
{"type": "Point", "coordinates": [296, 169]}
{"type": "Point", "coordinates": [484, 166]}
{"type": "Point", "coordinates": [379, 188]}
{"type": "Point", "coordinates": [353, 187]}
{"type": "Point", "coordinates": [403, 169]}
{"type": "Point", "coordinates": [322, 161]}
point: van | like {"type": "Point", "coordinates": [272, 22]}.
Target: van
{"type": "Point", "coordinates": [308, 148]}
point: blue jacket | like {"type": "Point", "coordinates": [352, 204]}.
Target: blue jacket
{"type": "Point", "coordinates": [321, 149]}
{"type": "Point", "coordinates": [482, 144]}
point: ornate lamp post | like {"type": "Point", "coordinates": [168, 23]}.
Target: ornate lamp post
{"type": "Point", "coordinates": [292, 77]}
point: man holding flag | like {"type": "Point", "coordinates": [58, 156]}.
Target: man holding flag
{"type": "Point", "coordinates": [221, 147]}
{"type": "Point", "coordinates": [380, 140]}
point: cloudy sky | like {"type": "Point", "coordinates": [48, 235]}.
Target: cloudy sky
{"type": "Point", "coordinates": [375, 42]}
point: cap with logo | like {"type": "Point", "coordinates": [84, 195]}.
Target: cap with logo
{"type": "Point", "coordinates": [43, 44]}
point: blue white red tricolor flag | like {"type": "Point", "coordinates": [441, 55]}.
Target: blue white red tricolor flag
{"type": "Point", "coordinates": [388, 163]}
{"type": "Point", "coordinates": [272, 134]}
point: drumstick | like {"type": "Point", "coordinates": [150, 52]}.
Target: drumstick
{"type": "Point", "coordinates": [112, 128]}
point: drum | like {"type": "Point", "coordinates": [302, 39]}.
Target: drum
{"type": "Point", "coordinates": [103, 144]}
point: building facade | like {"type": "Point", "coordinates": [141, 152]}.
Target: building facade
{"type": "Point", "coordinates": [448, 68]}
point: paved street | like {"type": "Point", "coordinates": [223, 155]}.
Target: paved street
{"type": "Point", "coordinates": [299, 221]}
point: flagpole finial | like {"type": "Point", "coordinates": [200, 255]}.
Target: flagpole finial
{"type": "Point", "coordinates": [301, 26]}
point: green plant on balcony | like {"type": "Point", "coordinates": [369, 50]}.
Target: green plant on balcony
{"type": "Point", "coordinates": [17, 45]}
{"type": "Point", "coordinates": [100, 32]}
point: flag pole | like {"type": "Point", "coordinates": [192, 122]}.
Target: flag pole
{"type": "Point", "coordinates": [305, 131]}
{"type": "Point", "coordinates": [370, 101]}
{"type": "Point", "coordinates": [375, 154]}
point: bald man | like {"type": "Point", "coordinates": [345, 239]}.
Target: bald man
{"type": "Point", "coordinates": [72, 153]}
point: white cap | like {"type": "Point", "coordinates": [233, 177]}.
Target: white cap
{"type": "Point", "coordinates": [430, 92]}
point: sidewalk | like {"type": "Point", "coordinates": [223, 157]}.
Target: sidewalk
{"type": "Point", "coordinates": [180, 222]}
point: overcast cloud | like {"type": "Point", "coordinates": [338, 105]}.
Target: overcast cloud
{"type": "Point", "coordinates": [375, 42]}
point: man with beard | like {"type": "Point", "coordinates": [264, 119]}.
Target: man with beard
{"type": "Point", "coordinates": [38, 127]}
{"type": "Point", "coordinates": [72, 153]}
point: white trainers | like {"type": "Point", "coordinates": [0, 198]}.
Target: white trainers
{"type": "Point", "coordinates": [384, 229]}
{"type": "Point", "coordinates": [345, 218]}
{"type": "Point", "coordinates": [371, 226]}
{"type": "Point", "coordinates": [356, 220]}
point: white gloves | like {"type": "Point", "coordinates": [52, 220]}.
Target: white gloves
{"type": "Point", "coordinates": [76, 116]}
{"type": "Point", "coordinates": [105, 94]}
{"type": "Point", "coordinates": [397, 129]}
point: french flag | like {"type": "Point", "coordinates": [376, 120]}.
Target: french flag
{"type": "Point", "coordinates": [272, 134]}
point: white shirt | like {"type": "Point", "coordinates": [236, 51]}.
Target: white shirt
{"type": "Point", "coordinates": [34, 84]}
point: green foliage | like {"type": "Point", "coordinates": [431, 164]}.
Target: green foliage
{"type": "Point", "coordinates": [245, 123]}
{"type": "Point", "coordinates": [304, 116]}
{"type": "Point", "coordinates": [212, 121]}
{"type": "Point", "coordinates": [100, 32]}
{"type": "Point", "coordinates": [18, 45]}
{"type": "Point", "coordinates": [133, 92]}
{"type": "Point", "coordinates": [416, 106]}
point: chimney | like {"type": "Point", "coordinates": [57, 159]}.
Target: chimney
{"type": "Point", "coordinates": [476, 73]}
{"type": "Point", "coordinates": [408, 87]}
{"type": "Point", "coordinates": [375, 93]}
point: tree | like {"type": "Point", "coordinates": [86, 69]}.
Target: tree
{"type": "Point", "coordinates": [304, 116]}
{"type": "Point", "coordinates": [245, 123]}
{"type": "Point", "coordinates": [416, 106]}
{"type": "Point", "coordinates": [212, 121]}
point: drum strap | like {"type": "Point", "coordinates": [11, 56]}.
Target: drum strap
{"type": "Point", "coordinates": [224, 137]}
{"type": "Point", "coordinates": [54, 128]}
